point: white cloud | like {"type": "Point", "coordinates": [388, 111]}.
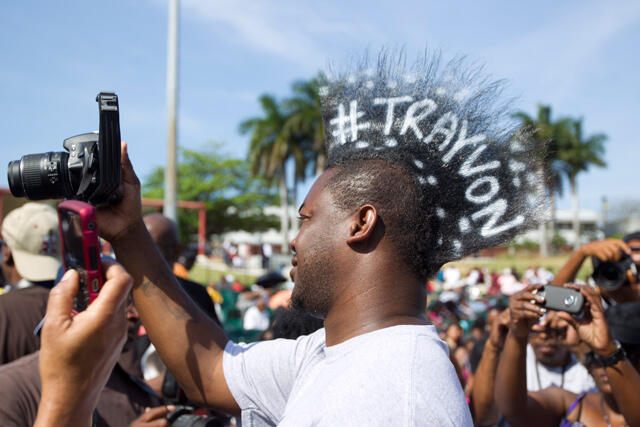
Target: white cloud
{"type": "Point", "coordinates": [556, 56]}
{"type": "Point", "coordinates": [295, 31]}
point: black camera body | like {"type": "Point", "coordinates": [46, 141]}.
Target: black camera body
{"type": "Point", "coordinates": [611, 276]}
{"type": "Point", "coordinates": [89, 171]}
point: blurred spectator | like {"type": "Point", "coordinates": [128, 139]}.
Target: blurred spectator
{"type": "Point", "coordinates": [508, 282]}
{"type": "Point", "coordinates": [608, 250]}
{"type": "Point", "coordinates": [550, 361]}
{"type": "Point", "coordinates": [266, 250]}
{"type": "Point", "coordinates": [615, 367]}
{"type": "Point", "coordinates": [257, 317]}
{"type": "Point", "coordinates": [453, 336]}
{"type": "Point", "coordinates": [184, 264]}
{"type": "Point", "coordinates": [451, 277]}
{"type": "Point", "coordinates": [290, 323]}
{"type": "Point", "coordinates": [30, 262]}
{"type": "Point", "coordinates": [164, 233]}
{"type": "Point", "coordinates": [123, 398]}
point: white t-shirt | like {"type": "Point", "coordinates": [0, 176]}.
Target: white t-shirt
{"type": "Point", "coordinates": [254, 319]}
{"type": "Point", "coordinates": [397, 376]}
{"type": "Point", "coordinates": [576, 377]}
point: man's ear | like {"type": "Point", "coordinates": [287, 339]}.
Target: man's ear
{"type": "Point", "coordinates": [362, 225]}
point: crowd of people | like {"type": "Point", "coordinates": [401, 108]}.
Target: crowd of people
{"type": "Point", "coordinates": [516, 363]}
{"type": "Point", "coordinates": [365, 337]}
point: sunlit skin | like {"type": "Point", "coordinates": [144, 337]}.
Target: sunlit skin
{"type": "Point", "coordinates": [346, 271]}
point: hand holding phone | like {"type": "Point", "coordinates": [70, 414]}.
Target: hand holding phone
{"type": "Point", "coordinates": [81, 249]}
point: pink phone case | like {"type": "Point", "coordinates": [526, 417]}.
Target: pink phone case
{"type": "Point", "coordinates": [89, 271]}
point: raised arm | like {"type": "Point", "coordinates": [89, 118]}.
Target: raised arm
{"type": "Point", "coordinates": [189, 342]}
{"type": "Point", "coordinates": [605, 250]}
{"type": "Point", "coordinates": [593, 330]}
{"type": "Point", "coordinates": [483, 405]}
{"type": "Point", "coordinates": [512, 400]}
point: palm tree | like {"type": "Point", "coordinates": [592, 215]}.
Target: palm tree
{"type": "Point", "coordinates": [579, 153]}
{"type": "Point", "coordinates": [305, 121]}
{"type": "Point", "coordinates": [547, 135]}
{"type": "Point", "coordinates": [268, 153]}
{"type": "Point", "coordinates": [305, 130]}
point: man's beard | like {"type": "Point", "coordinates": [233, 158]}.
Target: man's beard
{"type": "Point", "coordinates": [314, 281]}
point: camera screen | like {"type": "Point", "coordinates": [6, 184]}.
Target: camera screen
{"type": "Point", "coordinates": [72, 239]}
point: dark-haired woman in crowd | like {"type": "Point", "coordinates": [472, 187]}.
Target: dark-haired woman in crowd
{"type": "Point", "coordinates": [613, 361]}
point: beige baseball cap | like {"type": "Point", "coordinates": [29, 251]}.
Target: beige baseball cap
{"type": "Point", "coordinates": [31, 232]}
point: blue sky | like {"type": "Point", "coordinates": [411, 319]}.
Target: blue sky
{"type": "Point", "coordinates": [580, 57]}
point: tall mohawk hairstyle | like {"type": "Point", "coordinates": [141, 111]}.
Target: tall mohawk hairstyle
{"type": "Point", "coordinates": [476, 177]}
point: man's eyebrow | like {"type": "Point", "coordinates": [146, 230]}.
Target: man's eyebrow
{"type": "Point", "coordinates": [300, 208]}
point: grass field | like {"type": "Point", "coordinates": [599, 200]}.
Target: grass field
{"type": "Point", "coordinates": [205, 275]}
{"type": "Point", "coordinates": [519, 262]}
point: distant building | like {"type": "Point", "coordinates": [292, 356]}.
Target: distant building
{"type": "Point", "coordinates": [623, 226]}
{"type": "Point", "coordinates": [590, 227]}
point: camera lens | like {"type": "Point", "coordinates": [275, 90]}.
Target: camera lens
{"type": "Point", "coordinates": [15, 178]}
{"type": "Point", "coordinates": [40, 176]}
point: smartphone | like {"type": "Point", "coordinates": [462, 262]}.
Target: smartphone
{"type": "Point", "coordinates": [81, 248]}
{"type": "Point", "coordinates": [562, 299]}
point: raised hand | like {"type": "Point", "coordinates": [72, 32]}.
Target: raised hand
{"type": "Point", "coordinates": [592, 325]}
{"type": "Point", "coordinates": [605, 250]}
{"type": "Point", "coordinates": [114, 221]}
{"type": "Point", "coordinates": [499, 329]}
{"type": "Point", "coordinates": [525, 310]}
{"type": "Point", "coordinates": [79, 351]}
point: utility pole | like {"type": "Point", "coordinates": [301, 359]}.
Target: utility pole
{"type": "Point", "coordinates": [170, 171]}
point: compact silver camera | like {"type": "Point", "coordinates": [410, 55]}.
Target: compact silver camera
{"type": "Point", "coordinates": [561, 299]}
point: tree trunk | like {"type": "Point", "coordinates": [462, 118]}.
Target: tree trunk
{"type": "Point", "coordinates": [576, 211]}
{"type": "Point", "coordinates": [284, 218]}
{"type": "Point", "coordinates": [294, 200]}
{"type": "Point", "coordinates": [544, 244]}
{"type": "Point", "coordinates": [552, 221]}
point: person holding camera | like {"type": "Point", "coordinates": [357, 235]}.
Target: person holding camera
{"type": "Point", "coordinates": [616, 263]}
{"type": "Point", "coordinates": [362, 256]}
{"type": "Point", "coordinates": [30, 262]}
{"type": "Point", "coordinates": [613, 360]}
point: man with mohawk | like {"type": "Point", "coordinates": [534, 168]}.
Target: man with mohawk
{"type": "Point", "coordinates": [423, 169]}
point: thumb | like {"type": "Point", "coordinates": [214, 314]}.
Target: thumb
{"type": "Point", "coordinates": [128, 175]}
{"type": "Point", "coordinates": [60, 304]}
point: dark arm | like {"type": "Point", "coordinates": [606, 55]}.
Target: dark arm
{"type": "Point", "coordinates": [511, 396]}
{"type": "Point", "coordinates": [188, 341]}
{"type": "Point", "coordinates": [606, 250]}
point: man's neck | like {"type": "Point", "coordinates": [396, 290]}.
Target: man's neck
{"type": "Point", "coordinates": [370, 304]}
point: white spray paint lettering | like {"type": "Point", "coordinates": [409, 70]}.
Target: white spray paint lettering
{"type": "Point", "coordinates": [351, 121]}
{"type": "Point", "coordinates": [411, 120]}
{"type": "Point", "coordinates": [391, 103]}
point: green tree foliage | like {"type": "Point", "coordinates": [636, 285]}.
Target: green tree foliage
{"type": "Point", "coordinates": [288, 131]}
{"type": "Point", "coordinates": [579, 153]}
{"type": "Point", "coordinates": [548, 135]}
{"type": "Point", "coordinates": [304, 123]}
{"type": "Point", "coordinates": [269, 150]}
{"type": "Point", "coordinates": [234, 199]}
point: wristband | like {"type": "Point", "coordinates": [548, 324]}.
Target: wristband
{"type": "Point", "coordinates": [613, 358]}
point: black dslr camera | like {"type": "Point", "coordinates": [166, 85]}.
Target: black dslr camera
{"type": "Point", "coordinates": [613, 275]}
{"type": "Point", "coordinates": [90, 171]}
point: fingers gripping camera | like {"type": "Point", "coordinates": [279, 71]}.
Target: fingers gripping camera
{"type": "Point", "coordinates": [561, 299]}
{"type": "Point", "coordinates": [89, 171]}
